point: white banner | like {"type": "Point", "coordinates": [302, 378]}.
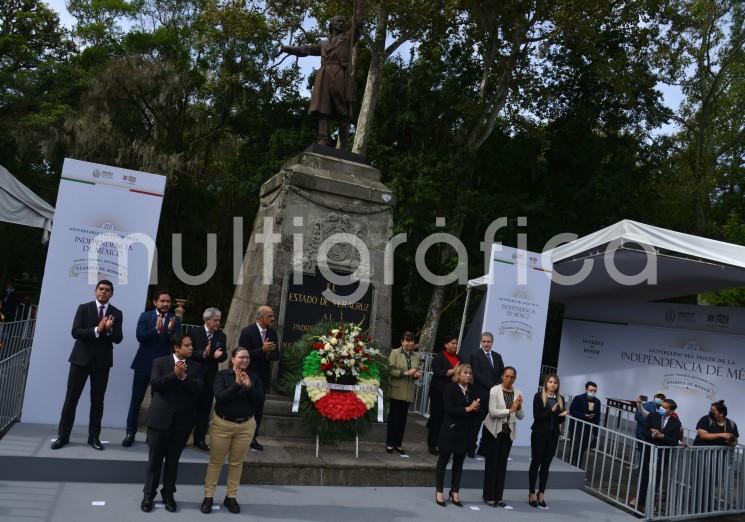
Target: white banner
{"type": "Point", "coordinates": [694, 368]}
{"type": "Point", "coordinates": [516, 308]}
{"type": "Point", "coordinates": [92, 200]}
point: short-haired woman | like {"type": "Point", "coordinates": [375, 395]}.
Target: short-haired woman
{"type": "Point", "coordinates": [505, 409]}
{"type": "Point", "coordinates": [443, 366]}
{"type": "Point", "coordinates": [404, 372]}
{"type": "Point", "coordinates": [548, 414]}
{"type": "Point", "coordinates": [459, 407]}
{"type": "Point", "coordinates": [715, 429]}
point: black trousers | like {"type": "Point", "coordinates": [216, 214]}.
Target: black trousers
{"type": "Point", "coordinates": [165, 450]}
{"type": "Point", "coordinates": [456, 472]}
{"type": "Point", "coordinates": [436, 413]}
{"type": "Point", "coordinates": [140, 382]}
{"type": "Point", "coordinates": [75, 383]}
{"type": "Point", "coordinates": [475, 425]}
{"type": "Point", "coordinates": [397, 414]}
{"type": "Point", "coordinates": [542, 451]}
{"type": "Point", "coordinates": [204, 408]}
{"type": "Point", "coordinates": [495, 465]}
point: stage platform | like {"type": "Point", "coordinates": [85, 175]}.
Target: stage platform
{"type": "Point", "coordinates": [66, 502]}
{"type": "Point", "coordinates": [25, 455]}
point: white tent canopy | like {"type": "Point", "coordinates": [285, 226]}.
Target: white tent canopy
{"type": "Point", "coordinates": [685, 264]}
{"type": "Point", "coordinates": [21, 206]}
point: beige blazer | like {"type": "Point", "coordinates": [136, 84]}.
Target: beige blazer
{"type": "Point", "coordinates": [402, 386]}
{"type": "Point", "coordinates": [499, 413]}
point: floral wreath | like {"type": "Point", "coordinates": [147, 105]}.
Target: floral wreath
{"type": "Point", "coordinates": [340, 374]}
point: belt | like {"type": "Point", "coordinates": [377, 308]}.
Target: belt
{"type": "Point", "coordinates": [239, 420]}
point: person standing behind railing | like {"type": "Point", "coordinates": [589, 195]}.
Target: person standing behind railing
{"type": "Point", "coordinates": [443, 367]}
{"type": "Point", "coordinates": [715, 429]}
{"type": "Point", "coordinates": [644, 408]}
{"type": "Point", "coordinates": [548, 414]}
{"type": "Point", "coordinates": [505, 409]}
{"type": "Point", "coordinates": [661, 429]}
{"type": "Point", "coordinates": [585, 407]}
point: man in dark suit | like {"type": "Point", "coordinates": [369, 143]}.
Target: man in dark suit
{"type": "Point", "coordinates": [10, 302]}
{"type": "Point", "coordinates": [96, 328]}
{"type": "Point", "coordinates": [262, 345]}
{"type": "Point", "coordinates": [585, 407]}
{"type": "Point", "coordinates": [154, 330]}
{"type": "Point", "coordinates": [661, 428]}
{"type": "Point", "coordinates": [487, 366]}
{"type": "Point", "coordinates": [209, 351]}
{"type": "Point", "coordinates": [176, 386]}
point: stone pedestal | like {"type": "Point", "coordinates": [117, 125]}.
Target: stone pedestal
{"type": "Point", "coordinates": [318, 193]}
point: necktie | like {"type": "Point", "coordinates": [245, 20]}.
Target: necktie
{"type": "Point", "coordinates": [209, 336]}
{"type": "Point", "coordinates": [491, 361]}
{"type": "Point", "coordinates": [100, 312]}
{"type": "Point", "coordinates": [263, 335]}
{"type": "Point", "coordinates": [163, 322]}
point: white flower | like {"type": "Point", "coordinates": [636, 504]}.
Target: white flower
{"type": "Point", "coordinates": [327, 346]}
{"type": "Point", "coordinates": [331, 356]}
{"type": "Point", "coordinates": [324, 360]}
{"type": "Point", "coordinates": [351, 362]}
{"type": "Point", "coordinates": [348, 346]}
{"type": "Point", "coordinates": [333, 341]}
{"type": "Point", "coordinates": [335, 331]}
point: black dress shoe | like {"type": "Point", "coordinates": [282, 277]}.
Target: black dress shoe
{"type": "Point", "coordinates": [147, 504]}
{"type": "Point", "coordinates": [256, 446]}
{"type": "Point", "coordinates": [455, 502]}
{"type": "Point", "coordinates": [232, 504]}
{"type": "Point", "coordinates": [206, 505]}
{"type": "Point", "coordinates": [471, 454]}
{"type": "Point", "coordinates": [201, 444]}
{"type": "Point", "coordinates": [169, 502]}
{"type": "Point", "coordinates": [128, 440]}
{"type": "Point", "coordinates": [60, 442]}
{"type": "Point", "coordinates": [95, 444]}
{"type": "Point", "coordinates": [389, 449]}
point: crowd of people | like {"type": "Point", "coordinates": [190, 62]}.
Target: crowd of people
{"type": "Point", "coordinates": [182, 372]}
{"type": "Point", "coordinates": [475, 406]}
{"type": "Point", "coordinates": [475, 409]}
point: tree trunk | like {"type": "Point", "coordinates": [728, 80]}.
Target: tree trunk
{"type": "Point", "coordinates": [432, 319]}
{"type": "Point", "coordinates": [372, 86]}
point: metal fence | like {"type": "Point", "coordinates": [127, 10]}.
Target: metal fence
{"type": "Point", "coordinates": [656, 482]}
{"type": "Point", "coordinates": [15, 352]}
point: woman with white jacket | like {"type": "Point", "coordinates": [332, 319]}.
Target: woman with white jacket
{"type": "Point", "coordinates": [505, 409]}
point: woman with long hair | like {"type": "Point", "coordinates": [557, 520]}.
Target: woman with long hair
{"type": "Point", "coordinates": [549, 411]}
{"type": "Point", "coordinates": [715, 429]}
{"type": "Point", "coordinates": [459, 407]}
{"type": "Point", "coordinates": [443, 366]}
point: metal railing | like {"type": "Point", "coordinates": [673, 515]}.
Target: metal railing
{"type": "Point", "coordinates": [15, 353]}
{"type": "Point", "coordinates": [655, 482]}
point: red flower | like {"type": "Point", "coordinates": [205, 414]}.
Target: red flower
{"type": "Point", "coordinates": [317, 345]}
{"type": "Point", "coordinates": [340, 406]}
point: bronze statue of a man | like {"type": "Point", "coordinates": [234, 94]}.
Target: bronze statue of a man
{"type": "Point", "coordinates": [333, 89]}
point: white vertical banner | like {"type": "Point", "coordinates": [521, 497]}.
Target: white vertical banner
{"type": "Point", "coordinates": [516, 309]}
{"type": "Point", "coordinates": [94, 201]}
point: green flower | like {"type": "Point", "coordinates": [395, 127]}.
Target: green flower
{"type": "Point", "coordinates": [312, 364]}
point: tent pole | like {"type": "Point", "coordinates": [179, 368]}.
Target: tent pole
{"type": "Point", "coordinates": [463, 320]}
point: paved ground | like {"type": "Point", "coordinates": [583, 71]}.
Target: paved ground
{"type": "Point", "coordinates": [73, 502]}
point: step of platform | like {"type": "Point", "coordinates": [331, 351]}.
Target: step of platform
{"type": "Point", "coordinates": [25, 455]}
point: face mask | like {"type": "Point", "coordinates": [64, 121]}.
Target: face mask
{"type": "Point", "coordinates": [657, 401]}
{"type": "Point", "coordinates": [590, 395]}
{"type": "Point", "coordinates": [661, 410]}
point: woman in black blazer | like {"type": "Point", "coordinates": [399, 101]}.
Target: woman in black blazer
{"type": "Point", "coordinates": [549, 411]}
{"type": "Point", "coordinates": [443, 366]}
{"type": "Point", "coordinates": [453, 440]}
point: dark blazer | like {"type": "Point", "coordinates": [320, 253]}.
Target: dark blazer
{"type": "Point", "coordinates": [485, 376]}
{"type": "Point", "coordinates": [91, 349]}
{"type": "Point", "coordinates": [671, 433]}
{"type": "Point", "coordinates": [454, 431]}
{"type": "Point", "coordinates": [440, 378]}
{"type": "Point", "coordinates": [152, 343]}
{"type": "Point", "coordinates": [174, 401]}
{"type": "Point", "coordinates": [260, 362]}
{"type": "Point", "coordinates": [545, 420]}
{"type": "Point", "coordinates": [232, 400]}
{"type": "Point", "coordinates": [649, 407]}
{"type": "Point", "coordinates": [579, 408]}
{"type": "Point", "coordinates": [199, 340]}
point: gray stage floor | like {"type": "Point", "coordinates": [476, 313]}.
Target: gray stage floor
{"type": "Point", "coordinates": [74, 502]}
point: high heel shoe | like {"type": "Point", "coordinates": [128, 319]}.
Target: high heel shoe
{"type": "Point", "coordinates": [441, 503]}
{"type": "Point", "coordinates": [452, 499]}
{"type": "Point", "coordinates": [533, 502]}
